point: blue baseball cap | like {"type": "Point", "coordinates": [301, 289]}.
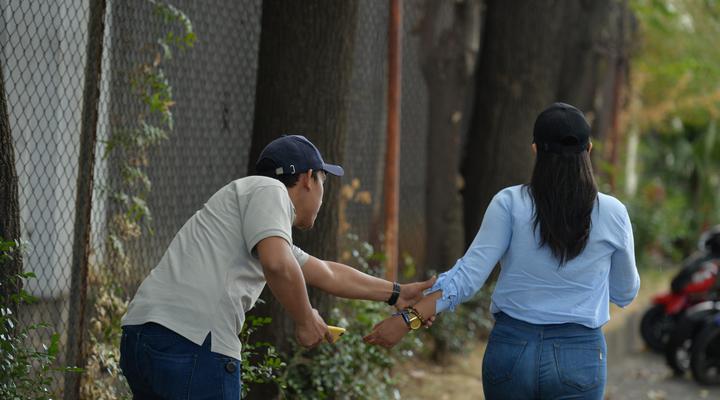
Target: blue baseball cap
{"type": "Point", "coordinates": [293, 154]}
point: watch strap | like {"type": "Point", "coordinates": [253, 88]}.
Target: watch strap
{"type": "Point", "coordinates": [405, 316]}
{"type": "Point", "coordinates": [395, 294]}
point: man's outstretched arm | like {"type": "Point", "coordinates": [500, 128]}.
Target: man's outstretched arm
{"type": "Point", "coordinates": [344, 281]}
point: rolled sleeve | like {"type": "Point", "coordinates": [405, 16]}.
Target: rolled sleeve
{"type": "Point", "coordinates": [300, 255]}
{"type": "Point", "coordinates": [449, 299]}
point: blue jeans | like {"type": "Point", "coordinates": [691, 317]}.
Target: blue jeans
{"type": "Point", "coordinates": [529, 361]}
{"type": "Point", "coordinates": [161, 364]}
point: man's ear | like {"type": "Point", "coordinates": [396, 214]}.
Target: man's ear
{"type": "Point", "coordinates": [306, 178]}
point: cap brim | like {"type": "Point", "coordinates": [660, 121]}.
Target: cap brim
{"type": "Point", "coordinates": [333, 169]}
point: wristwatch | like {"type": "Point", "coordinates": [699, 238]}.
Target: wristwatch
{"type": "Point", "coordinates": [412, 318]}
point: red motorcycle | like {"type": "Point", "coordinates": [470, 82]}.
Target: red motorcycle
{"type": "Point", "coordinates": [695, 283]}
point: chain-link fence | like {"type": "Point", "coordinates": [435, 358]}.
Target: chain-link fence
{"type": "Point", "coordinates": [43, 56]}
{"type": "Point", "coordinates": [213, 86]}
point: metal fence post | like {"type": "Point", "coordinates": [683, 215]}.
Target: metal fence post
{"type": "Point", "coordinates": [392, 155]}
{"type": "Point", "coordinates": [83, 204]}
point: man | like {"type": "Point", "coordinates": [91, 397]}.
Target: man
{"type": "Point", "coordinates": [180, 334]}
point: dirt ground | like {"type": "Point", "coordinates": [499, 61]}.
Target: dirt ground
{"type": "Point", "coordinates": [633, 372]}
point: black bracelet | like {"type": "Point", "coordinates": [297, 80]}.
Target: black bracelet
{"type": "Point", "coordinates": [395, 294]}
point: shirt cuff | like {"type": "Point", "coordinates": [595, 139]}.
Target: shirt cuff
{"type": "Point", "coordinates": [449, 299]}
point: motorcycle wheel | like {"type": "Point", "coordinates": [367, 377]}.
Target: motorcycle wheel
{"type": "Point", "coordinates": [655, 328]}
{"type": "Point", "coordinates": [679, 345]}
{"type": "Point", "coordinates": [705, 356]}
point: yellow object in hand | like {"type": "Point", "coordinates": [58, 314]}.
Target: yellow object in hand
{"type": "Point", "coordinates": [336, 332]}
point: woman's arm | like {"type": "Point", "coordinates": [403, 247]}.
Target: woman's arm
{"type": "Point", "coordinates": [391, 330]}
{"type": "Point", "coordinates": [624, 278]}
{"type": "Point", "coordinates": [471, 271]}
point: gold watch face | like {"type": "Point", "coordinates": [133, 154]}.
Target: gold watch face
{"type": "Point", "coordinates": [415, 322]}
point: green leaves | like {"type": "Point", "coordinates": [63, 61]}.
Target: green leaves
{"type": "Point", "coordinates": [25, 371]}
{"type": "Point", "coordinates": [676, 69]}
{"type": "Point", "coordinates": [260, 361]}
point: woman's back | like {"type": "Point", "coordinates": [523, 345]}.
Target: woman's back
{"type": "Point", "coordinates": [534, 287]}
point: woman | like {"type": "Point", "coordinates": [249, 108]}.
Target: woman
{"type": "Point", "coordinates": [565, 252]}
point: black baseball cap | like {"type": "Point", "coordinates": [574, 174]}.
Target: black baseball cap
{"type": "Point", "coordinates": [293, 154]}
{"type": "Point", "coordinates": [561, 128]}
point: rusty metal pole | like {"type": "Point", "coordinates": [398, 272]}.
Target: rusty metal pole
{"type": "Point", "coordinates": [392, 155]}
{"type": "Point", "coordinates": [75, 355]}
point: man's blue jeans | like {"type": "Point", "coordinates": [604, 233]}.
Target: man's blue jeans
{"type": "Point", "coordinates": [528, 361]}
{"type": "Point", "coordinates": [161, 364]}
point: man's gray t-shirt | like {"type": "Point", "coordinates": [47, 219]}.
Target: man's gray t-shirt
{"type": "Point", "coordinates": [209, 276]}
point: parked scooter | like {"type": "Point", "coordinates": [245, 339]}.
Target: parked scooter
{"type": "Point", "coordinates": [695, 283]}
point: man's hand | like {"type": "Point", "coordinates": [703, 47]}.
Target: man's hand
{"type": "Point", "coordinates": [388, 332]}
{"type": "Point", "coordinates": [411, 293]}
{"type": "Point", "coordinates": [311, 332]}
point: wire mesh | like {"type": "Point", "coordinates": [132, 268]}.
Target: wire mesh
{"type": "Point", "coordinates": [366, 121]}
{"type": "Point", "coordinates": [214, 88]}
{"type": "Point", "coordinates": [43, 55]}
{"type": "Point", "coordinates": [213, 83]}
{"type": "Point", "coordinates": [414, 127]}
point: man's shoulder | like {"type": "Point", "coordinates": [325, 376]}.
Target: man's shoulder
{"type": "Point", "coordinates": [255, 183]}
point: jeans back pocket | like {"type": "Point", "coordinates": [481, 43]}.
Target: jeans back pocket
{"type": "Point", "coordinates": [501, 357]}
{"type": "Point", "coordinates": [579, 366]}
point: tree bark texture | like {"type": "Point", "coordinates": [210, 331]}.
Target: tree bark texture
{"type": "Point", "coordinates": [303, 83]}
{"type": "Point", "coordinates": [9, 203]}
{"type": "Point", "coordinates": [534, 53]}
{"type": "Point", "coordinates": [448, 75]}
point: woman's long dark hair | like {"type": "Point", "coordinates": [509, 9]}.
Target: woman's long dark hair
{"type": "Point", "coordinates": [564, 191]}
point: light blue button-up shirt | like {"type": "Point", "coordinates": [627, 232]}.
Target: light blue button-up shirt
{"type": "Point", "coordinates": [532, 286]}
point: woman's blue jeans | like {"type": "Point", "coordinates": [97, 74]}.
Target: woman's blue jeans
{"type": "Point", "coordinates": [529, 361]}
{"type": "Point", "coordinates": [161, 364]}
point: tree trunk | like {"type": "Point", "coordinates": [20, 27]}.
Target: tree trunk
{"type": "Point", "coordinates": [9, 203]}
{"type": "Point", "coordinates": [520, 72]}
{"type": "Point", "coordinates": [75, 353]}
{"type": "Point", "coordinates": [586, 62]}
{"type": "Point", "coordinates": [448, 74]}
{"type": "Point", "coordinates": [303, 82]}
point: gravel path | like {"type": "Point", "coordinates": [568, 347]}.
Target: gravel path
{"type": "Point", "coordinates": [643, 375]}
